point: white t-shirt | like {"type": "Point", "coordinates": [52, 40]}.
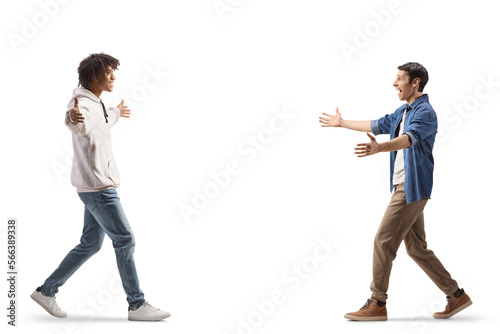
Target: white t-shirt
{"type": "Point", "coordinates": [399, 165]}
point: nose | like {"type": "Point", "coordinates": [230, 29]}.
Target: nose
{"type": "Point", "coordinates": [395, 83]}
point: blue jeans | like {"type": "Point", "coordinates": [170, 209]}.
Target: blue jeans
{"type": "Point", "coordinates": [103, 214]}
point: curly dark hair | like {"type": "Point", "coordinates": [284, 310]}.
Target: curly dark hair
{"type": "Point", "coordinates": [92, 68]}
{"type": "Point", "coordinates": [416, 70]}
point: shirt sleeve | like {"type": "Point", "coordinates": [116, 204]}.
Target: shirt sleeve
{"type": "Point", "coordinates": [382, 125]}
{"type": "Point", "coordinates": [422, 125]}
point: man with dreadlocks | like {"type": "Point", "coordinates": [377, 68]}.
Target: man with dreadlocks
{"type": "Point", "coordinates": [95, 176]}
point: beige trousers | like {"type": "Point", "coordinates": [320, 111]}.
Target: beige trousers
{"type": "Point", "coordinates": [405, 222]}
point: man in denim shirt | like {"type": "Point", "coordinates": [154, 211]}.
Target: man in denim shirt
{"type": "Point", "coordinates": [412, 129]}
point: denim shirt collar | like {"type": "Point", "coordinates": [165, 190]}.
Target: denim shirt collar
{"type": "Point", "coordinates": [423, 98]}
{"type": "Point", "coordinates": [408, 109]}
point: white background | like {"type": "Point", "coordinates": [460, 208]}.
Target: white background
{"type": "Point", "coordinates": [227, 72]}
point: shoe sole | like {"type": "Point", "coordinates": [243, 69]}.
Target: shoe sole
{"type": "Point", "coordinates": [449, 315]}
{"type": "Point", "coordinates": [356, 318]}
{"type": "Point", "coordinates": [156, 319]}
{"type": "Point", "coordinates": [46, 309]}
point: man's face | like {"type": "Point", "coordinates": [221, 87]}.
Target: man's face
{"type": "Point", "coordinates": [106, 82]}
{"type": "Point", "coordinates": [403, 86]}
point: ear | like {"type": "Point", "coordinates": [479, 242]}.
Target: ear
{"type": "Point", "coordinates": [416, 82]}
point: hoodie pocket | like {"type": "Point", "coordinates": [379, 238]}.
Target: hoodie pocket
{"type": "Point", "coordinates": [113, 172]}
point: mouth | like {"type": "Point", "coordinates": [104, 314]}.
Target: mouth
{"type": "Point", "coordinates": [400, 92]}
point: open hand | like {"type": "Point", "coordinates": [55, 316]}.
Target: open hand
{"type": "Point", "coordinates": [124, 110]}
{"type": "Point", "coordinates": [330, 120]}
{"type": "Point", "coordinates": [75, 114]}
{"type": "Point", "coordinates": [363, 150]}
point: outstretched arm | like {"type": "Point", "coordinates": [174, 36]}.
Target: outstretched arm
{"type": "Point", "coordinates": [337, 121]}
{"type": "Point", "coordinates": [74, 113]}
{"type": "Point", "coordinates": [115, 113]}
{"type": "Point", "coordinates": [396, 144]}
{"type": "Point", "coordinates": [75, 121]}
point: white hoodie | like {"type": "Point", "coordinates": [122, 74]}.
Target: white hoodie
{"type": "Point", "coordinates": [94, 167]}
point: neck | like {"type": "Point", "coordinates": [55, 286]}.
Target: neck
{"type": "Point", "coordinates": [414, 97]}
{"type": "Point", "coordinates": [96, 92]}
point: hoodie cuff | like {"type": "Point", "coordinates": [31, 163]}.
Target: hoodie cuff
{"type": "Point", "coordinates": [117, 114]}
{"type": "Point", "coordinates": [69, 117]}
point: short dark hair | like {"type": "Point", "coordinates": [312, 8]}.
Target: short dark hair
{"type": "Point", "coordinates": [93, 68]}
{"type": "Point", "coordinates": [415, 70]}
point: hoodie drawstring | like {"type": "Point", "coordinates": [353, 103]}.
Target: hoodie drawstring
{"type": "Point", "coordinates": [105, 113]}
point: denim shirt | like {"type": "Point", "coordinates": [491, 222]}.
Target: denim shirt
{"type": "Point", "coordinates": [421, 127]}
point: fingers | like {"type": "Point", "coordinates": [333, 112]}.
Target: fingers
{"type": "Point", "coordinates": [324, 121]}
{"type": "Point", "coordinates": [76, 116]}
{"type": "Point", "coordinates": [371, 137]}
{"type": "Point", "coordinates": [363, 150]}
{"type": "Point", "coordinates": [121, 106]}
{"type": "Point", "coordinates": [124, 110]}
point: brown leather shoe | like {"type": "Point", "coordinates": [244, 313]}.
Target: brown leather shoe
{"type": "Point", "coordinates": [369, 312]}
{"type": "Point", "coordinates": [455, 305]}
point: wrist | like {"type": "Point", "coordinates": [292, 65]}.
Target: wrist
{"type": "Point", "coordinates": [69, 116]}
{"type": "Point", "coordinates": [382, 147]}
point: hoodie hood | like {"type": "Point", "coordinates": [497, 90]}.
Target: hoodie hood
{"type": "Point", "coordinates": [80, 92]}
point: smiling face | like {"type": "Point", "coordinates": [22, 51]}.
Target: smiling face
{"type": "Point", "coordinates": [407, 91]}
{"type": "Point", "coordinates": [106, 82]}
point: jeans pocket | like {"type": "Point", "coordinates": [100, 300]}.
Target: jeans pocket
{"type": "Point", "coordinates": [88, 200]}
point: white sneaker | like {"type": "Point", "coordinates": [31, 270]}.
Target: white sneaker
{"type": "Point", "coordinates": [49, 304]}
{"type": "Point", "coordinates": [146, 312]}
